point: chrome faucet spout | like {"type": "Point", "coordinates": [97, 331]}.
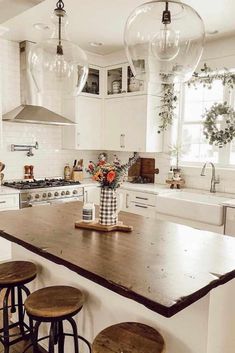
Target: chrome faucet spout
{"type": "Point", "coordinates": [214, 180]}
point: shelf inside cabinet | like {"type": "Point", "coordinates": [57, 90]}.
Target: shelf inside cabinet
{"type": "Point", "coordinates": [133, 85]}
{"type": "Point", "coordinates": [114, 81]}
{"type": "Point", "coordinates": [92, 85]}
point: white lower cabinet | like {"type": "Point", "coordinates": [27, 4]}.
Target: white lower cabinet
{"type": "Point", "coordinates": [9, 202]}
{"type": "Point", "coordinates": [92, 194]}
{"type": "Point", "coordinates": [139, 203]}
{"type": "Point", "coordinates": [131, 124]}
{"type": "Point", "coordinates": [87, 113]}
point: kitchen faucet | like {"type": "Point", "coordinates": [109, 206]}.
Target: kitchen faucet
{"type": "Point", "coordinates": [214, 180]}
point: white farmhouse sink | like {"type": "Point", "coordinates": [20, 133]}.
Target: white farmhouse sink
{"type": "Point", "coordinates": [206, 208]}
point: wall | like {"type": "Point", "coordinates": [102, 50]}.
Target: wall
{"type": "Point", "coordinates": [49, 159]}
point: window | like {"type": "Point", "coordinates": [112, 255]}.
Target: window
{"type": "Point", "coordinates": [195, 147]}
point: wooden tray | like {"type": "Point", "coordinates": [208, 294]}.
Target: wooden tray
{"type": "Point", "coordinates": [177, 183]}
{"type": "Point", "coordinates": [99, 227]}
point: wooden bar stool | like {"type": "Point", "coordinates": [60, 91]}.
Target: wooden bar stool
{"type": "Point", "coordinates": [13, 277]}
{"type": "Point", "coordinates": [54, 305]}
{"type": "Point", "coordinates": [131, 337]}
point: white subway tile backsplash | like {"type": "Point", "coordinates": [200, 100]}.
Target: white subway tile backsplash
{"type": "Point", "coordinates": [48, 160]}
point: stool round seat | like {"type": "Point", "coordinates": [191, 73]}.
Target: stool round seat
{"type": "Point", "coordinates": [130, 337]}
{"type": "Point", "coordinates": [16, 273]}
{"type": "Point", "coordinates": [54, 302]}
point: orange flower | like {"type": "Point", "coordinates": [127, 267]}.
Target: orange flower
{"type": "Point", "coordinates": [111, 176]}
{"type": "Point", "coordinates": [97, 176]}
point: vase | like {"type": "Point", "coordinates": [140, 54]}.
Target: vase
{"type": "Point", "coordinates": [108, 207]}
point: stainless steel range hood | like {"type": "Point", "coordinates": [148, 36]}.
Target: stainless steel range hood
{"type": "Point", "coordinates": [28, 112]}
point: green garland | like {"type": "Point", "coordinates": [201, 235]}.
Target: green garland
{"type": "Point", "coordinates": [169, 98]}
{"type": "Point", "coordinates": [207, 76]}
{"type": "Point", "coordinates": [215, 135]}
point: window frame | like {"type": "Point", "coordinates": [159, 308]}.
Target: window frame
{"type": "Point", "coordinates": [223, 153]}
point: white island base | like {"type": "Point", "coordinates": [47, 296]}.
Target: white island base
{"type": "Point", "coordinates": [207, 326]}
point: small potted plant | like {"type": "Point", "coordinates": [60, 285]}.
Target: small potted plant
{"type": "Point", "coordinates": [175, 151]}
{"type": "Point", "coordinates": [109, 176]}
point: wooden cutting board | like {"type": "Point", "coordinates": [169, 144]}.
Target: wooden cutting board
{"type": "Point", "coordinates": [99, 227]}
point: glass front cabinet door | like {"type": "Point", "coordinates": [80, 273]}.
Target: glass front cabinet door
{"type": "Point", "coordinates": [93, 83]}
{"type": "Point", "coordinates": [120, 80]}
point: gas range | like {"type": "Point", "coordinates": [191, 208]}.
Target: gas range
{"type": "Point", "coordinates": [47, 191]}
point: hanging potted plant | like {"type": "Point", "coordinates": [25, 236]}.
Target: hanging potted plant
{"type": "Point", "coordinates": [109, 176]}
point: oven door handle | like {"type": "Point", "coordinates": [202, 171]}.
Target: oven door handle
{"type": "Point", "coordinates": [45, 203]}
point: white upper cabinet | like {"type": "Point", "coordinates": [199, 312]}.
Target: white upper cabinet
{"type": "Point", "coordinates": [114, 112]}
{"type": "Point", "coordinates": [119, 81]}
{"type": "Point", "coordinates": [86, 112]}
{"type": "Point", "coordinates": [131, 124]}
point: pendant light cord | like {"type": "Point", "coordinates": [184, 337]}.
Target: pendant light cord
{"type": "Point", "coordinates": [60, 9]}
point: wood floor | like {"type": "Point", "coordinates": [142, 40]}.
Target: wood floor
{"type": "Point", "coordinates": [18, 347]}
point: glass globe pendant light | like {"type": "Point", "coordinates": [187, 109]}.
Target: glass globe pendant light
{"type": "Point", "coordinates": [56, 64]}
{"type": "Point", "coordinates": [164, 41]}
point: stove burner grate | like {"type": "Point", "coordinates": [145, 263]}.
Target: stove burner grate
{"type": "Point", "coordinates": [38, 184]}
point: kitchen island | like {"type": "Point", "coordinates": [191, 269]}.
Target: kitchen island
{"type": "Point", "coordinates": [161, 274]}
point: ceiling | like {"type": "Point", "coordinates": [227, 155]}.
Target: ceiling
{"type": "Point", "coordinates": [102, 20]}
{"type": "Point", "coordinates": [11, 8]}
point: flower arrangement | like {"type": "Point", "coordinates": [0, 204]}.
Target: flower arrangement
{"type": "Point", "coordinates": [110, 175]}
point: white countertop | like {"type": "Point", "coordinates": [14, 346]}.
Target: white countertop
{"type": "Point", "coordinates": [148, 188]}
{"type": "Point", "coordinates": [4, 190]}
{"type": "Point", "coordinates": [163, 189]}
{"type": "Point", "coordinates": [229, 203]}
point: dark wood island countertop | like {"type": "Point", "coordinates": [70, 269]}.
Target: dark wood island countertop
{"type": "Point", "coordinates": [164, 266]}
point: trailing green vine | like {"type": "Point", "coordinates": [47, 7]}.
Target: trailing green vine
{"type": "Point", "coordinates": [206, 77]}
{"type": "Point", "coordinates": [169, 101]}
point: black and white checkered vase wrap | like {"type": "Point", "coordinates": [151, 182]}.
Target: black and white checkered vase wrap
{"type": "Point", "coordinates": [108, 207]}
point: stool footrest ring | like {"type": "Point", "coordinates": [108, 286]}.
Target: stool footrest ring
{"type": "Point", "coordinates": [65, 334]}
